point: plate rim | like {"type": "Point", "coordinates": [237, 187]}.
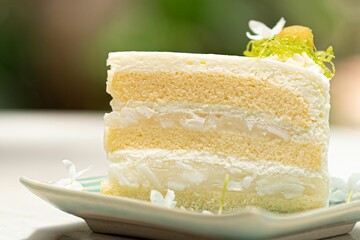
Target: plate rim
{"type": "Point", "coordinates": [315, 218]}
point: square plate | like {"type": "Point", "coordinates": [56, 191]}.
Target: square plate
{"type": "Point", "coordinates": [130, 217]}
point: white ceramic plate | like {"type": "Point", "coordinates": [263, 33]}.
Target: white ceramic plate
{"type": "Point", "coordinates": [124, 216]}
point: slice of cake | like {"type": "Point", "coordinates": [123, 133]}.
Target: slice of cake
{"type": "Point", "coordinates": [184, 121]}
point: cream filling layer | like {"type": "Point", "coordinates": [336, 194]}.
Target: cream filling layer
{"type": "Point", "coordinates": [210, 118]}
{"type": "Point", "coordinates": [198, 170]}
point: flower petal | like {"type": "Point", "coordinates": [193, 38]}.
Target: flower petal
{"type": "Point", "coordinates": [156, 197]}
{"type": "Point", "coordinates": [353, 180]}
{"type": "Point", "coordinates": [279, 26]}
{"type": "Point", "coordinates": [338, 196]}
{"type": "Point", "coordinates": [62, 182]}
{"type": "Point", "coordinates": [356, 195]}
{"type": "Point", "coordinates": [70, 168]}
{"type": "Point", "coordinates": [357, 187]}
{"type": "Point", "coordinates": [78, 174]}
{"type": "Point", "coordinates": [253, 37]}
{"type": "Point", "coordinates": [206, 212]}
{"type": "Point", "coordinates": [170, 195]}
{"type": "Point", "coordinates": [74, 185]}
{"type": "Point", "coordinates": [258, 27]}
{"type": "Point", "coordinates": [173, 204]}
{"type": "Point", "coordinates": [169, 199]}
{"type": "Point", "coordinates": [264, 32]}
{"type": "Point", "coordinates": [337, 183]}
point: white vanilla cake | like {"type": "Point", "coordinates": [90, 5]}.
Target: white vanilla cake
{"type": "Point", "coordinates": [184, 121]}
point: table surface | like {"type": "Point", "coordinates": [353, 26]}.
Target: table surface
{"type": "Point", "coordinates": [33, 144]}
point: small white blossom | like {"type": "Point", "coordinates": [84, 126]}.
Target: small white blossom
{"type": "Point", "coordinates": [341, 191]}
{"type": "Point", "coordinates": [264, 32]}
{"type": "Point", "coordinates": [157, 198]}
{"type": "Point", "coordinates": [70, 182]}
{"type": "Point", "coordinates": [206, 212]}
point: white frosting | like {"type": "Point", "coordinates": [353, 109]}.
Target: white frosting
{"type": "Point", "coordinates": [301, 60]}
{"type": "Point", "coordinates": [239, 65]}
{"type": "Point", "coordinates": [182, 169]}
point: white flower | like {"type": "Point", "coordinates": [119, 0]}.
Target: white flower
{"type": "Point", "coordinates": [340, 191]}
{"type": "Point", "coordinates": [70, 182]}
{"type": "Point", "coordinates": [264, 32]}
{"type": "Point", "coordinates": [157, 198]}
{"type": "Point", "coordinates": [206, 212]}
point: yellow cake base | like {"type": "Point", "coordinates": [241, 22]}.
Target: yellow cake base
{"type": "Point", "coordinates": [209, 200]}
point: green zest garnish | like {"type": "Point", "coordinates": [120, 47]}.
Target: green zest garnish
{"type": "Point", "coordinates": [348, 200]}
{"type": "Point", "coordinates": [222, 199]}
{"type": "Point", "coordinates": [286, 48]}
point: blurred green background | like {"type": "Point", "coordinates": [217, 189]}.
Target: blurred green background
{"type": "Point", "coordinates": [53, 53]}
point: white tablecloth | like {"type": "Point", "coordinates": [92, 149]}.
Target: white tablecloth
{"type": "Point", "coordinates": [34, 143]}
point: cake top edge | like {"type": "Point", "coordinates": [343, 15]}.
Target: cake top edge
{"type": "Point", "coordinates": [169, 53]}
{"type": "Point", "coordinates": [128, 59]}
{"type": "Point", "coordinates": [290, 46]}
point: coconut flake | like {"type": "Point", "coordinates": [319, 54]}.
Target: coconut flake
{"type": "Point", "coordinates": [234, 186]}
{"type": "Point", "coordinates": [128, 116]}
{"type": "Point", "coordinates": [165, 120]}
{"type": "Point", "coordinates": [249, 125]}
{"type": "Point", "coordinates": [246, 181]}
{"type": "Point", "coordinates": [176, 185]}
{"type": "Point", "coordinates": [278, 132]}
{"type": "Point", "coordinates": [145, 111]}
{"type": "Point", "coordinates": [288, 190]}
{"type": "Point", "coordinates": [190, 173]}
{"type": "Point", "coordinates": [210, 123]}
{"type": "Point", "coordinates": [193, 124]}
{"type": "Point", "coordinates": [144, 170]}
{"type": "Point", "coordinates": [290, 195]}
